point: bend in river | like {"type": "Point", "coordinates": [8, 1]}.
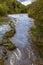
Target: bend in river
{"type": "Point", "coordinates": [22, 39]}
{"type": "Point", "coordinates": [24, 54]}
{"type": "Point", "coordinates": [23, 23]}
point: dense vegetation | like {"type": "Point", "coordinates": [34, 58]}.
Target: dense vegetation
{"type": "Point", "coordinates": [36, 11]}
{"type": "Point", "coordinates": [10, 7]}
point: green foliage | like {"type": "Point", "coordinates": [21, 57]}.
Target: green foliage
{"type": "Point", "coordinates": [36, 11]}
{"type": "Point", "coordinates": [3, 10]}
{"type": "Point", "coordinates": [10, 7]}
{"type": "Point", "coordinates": [4, 52]}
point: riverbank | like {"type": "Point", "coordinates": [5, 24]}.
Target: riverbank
{"type": "Point", "coordinates": [6, 45]}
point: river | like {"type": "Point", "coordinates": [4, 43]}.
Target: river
{"type": "Point", "coordinates": [22, 39]}
{"type": "Point", "coordinates": [24, 54]}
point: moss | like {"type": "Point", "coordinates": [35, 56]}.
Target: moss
{"type": "Point", "coordinates": [8, 44]}
{"type": "Point", "coordinates": [9, 34]}
{"type": "Point", "coordinates": [4, 52]}
{"type": "Point", "coordinates": [11, 24]}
